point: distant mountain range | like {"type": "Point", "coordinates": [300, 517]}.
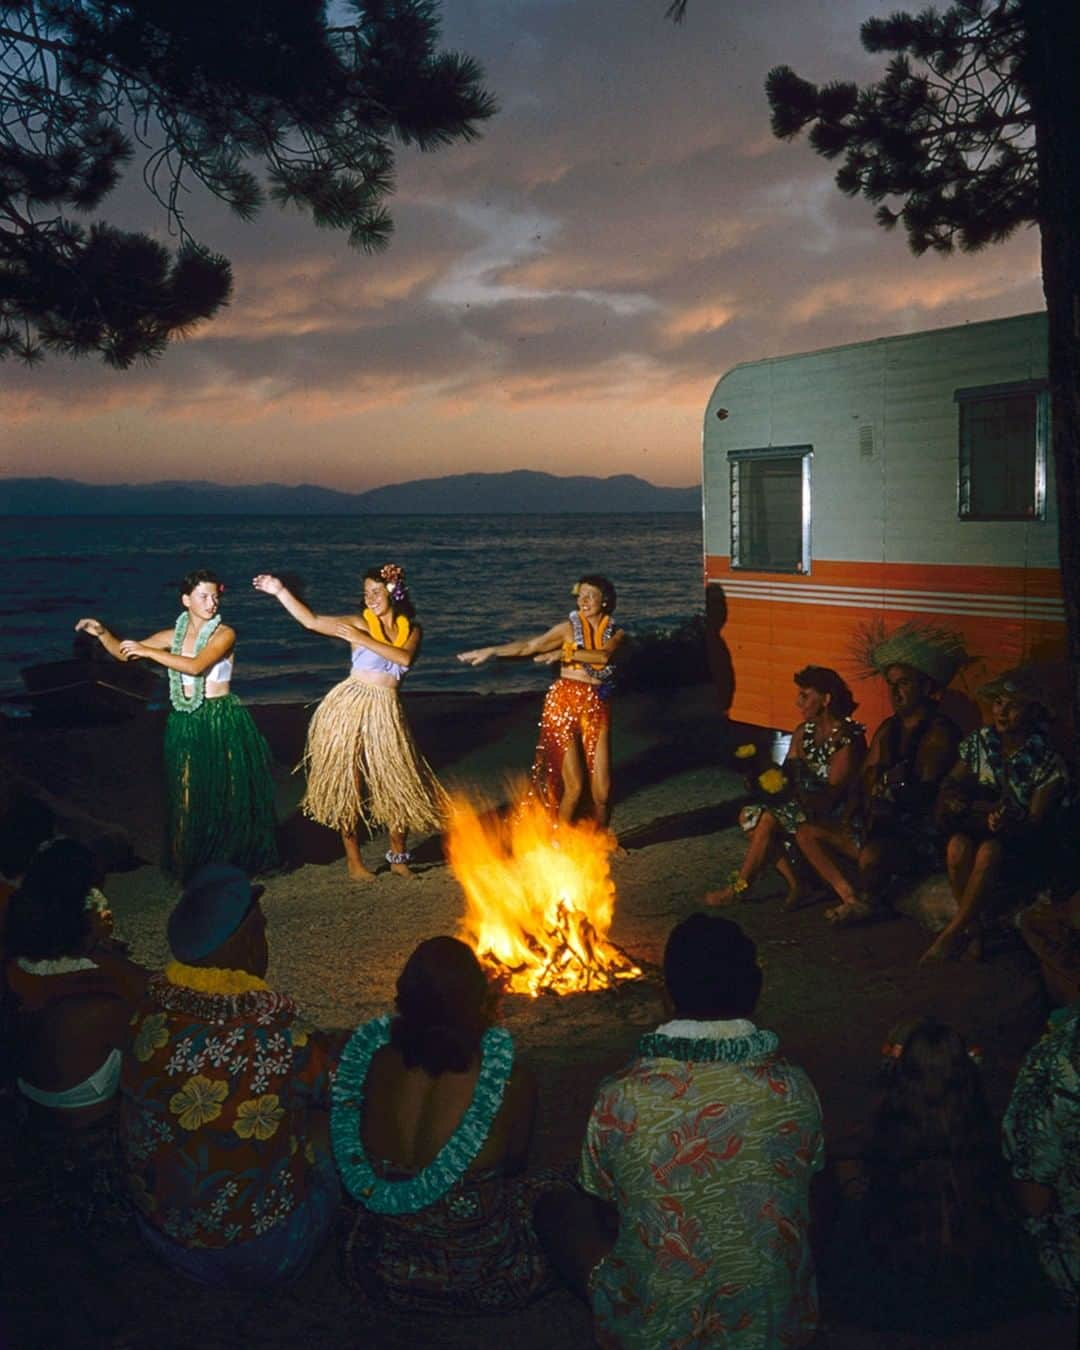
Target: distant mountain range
{"type": "Point", "coordinates": [521, 492]}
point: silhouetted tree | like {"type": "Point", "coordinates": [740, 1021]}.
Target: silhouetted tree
{"type": "Point", "coordinates": [974, 131]}
{"type": "Point", "coordinates": [264, 98]}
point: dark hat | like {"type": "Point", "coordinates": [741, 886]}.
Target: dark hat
{"type": "Point", "coordinates": [1022, 683]}
{"type": "Point", "coordinates": [215, 902]}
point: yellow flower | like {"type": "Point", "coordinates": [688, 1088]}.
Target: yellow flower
{"type": "Point", "coordinates": [259, 1116]}
{"type": "Point", "coordinates": [747, 751]}
{"type": "Point", "coordinates": [299, 1033]}
{"type": "Point", "coordinates": [772, 781]}
{"type": "Point", "coordinates": [152, 1035]}
{"type": "Point", "coordinates": [199, 1101]}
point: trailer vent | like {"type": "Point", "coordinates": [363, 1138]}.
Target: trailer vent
{"type": "Point", "coordinates": [866, 441]}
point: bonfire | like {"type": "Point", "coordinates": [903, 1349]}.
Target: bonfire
{"type": "Point", "coordinates": [539, 898]}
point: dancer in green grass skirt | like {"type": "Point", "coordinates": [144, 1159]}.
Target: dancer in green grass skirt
{"type": "Point", "coordinates": [219, 790]}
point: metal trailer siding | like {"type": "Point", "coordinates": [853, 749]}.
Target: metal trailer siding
{"type": "Point", "coordinates": [886, 539]}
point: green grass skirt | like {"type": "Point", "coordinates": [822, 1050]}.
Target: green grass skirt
{"type": "Point", "coordinates": [219, 790]}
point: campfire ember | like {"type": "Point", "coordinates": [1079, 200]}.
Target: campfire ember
{"type": "Point", "coordinates": [538, 898]}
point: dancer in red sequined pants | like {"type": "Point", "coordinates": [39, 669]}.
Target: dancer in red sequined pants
{"type": "Point", "coordinates": [575, 726]}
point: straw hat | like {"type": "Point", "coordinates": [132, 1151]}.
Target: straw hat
{"type": "Point", "coordinates": [936, 652]}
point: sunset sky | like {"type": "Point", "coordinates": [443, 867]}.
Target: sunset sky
{"type": "Point", "coordinates": [560, 295]}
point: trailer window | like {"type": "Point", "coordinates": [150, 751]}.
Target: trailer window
{"type": "Point", "coordinates": [770, 508]}
{"type": "Point", "coordinates": [1003, 439]}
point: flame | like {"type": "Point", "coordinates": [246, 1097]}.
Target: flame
{"type": "Point", "coordinates": [539, 898]}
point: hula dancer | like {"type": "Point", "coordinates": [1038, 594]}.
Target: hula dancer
{"type": "Point", "coordinates": [218, 784]}
{"type": "Point", "coordinates": [575, 725]}
{"type": "Point", "coordinates": [362, 764]}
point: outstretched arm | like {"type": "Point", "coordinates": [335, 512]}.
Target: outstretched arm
{"type": "Point", "coordinates": [585, 655]}
{"type": "Point", "coordinates": [329, 625]}
{"type": "Point", "coordinates": [115, 646]}
{"type": "Point", "coordinates": [550, 641]}
{"type": "Point", "coordinates": [220, 645]}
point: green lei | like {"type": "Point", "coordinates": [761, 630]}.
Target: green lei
{"type": "Point", "coordinates": [180, 701]}
{"type": "Point", "coordinates": [722, 1049]}
{"type": "Point", "coordinates": [453, 1159]}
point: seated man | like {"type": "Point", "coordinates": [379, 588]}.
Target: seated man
{"type": "Point", "coordinates": [225, 1100]}
{"type": "Point", "coordinates": [893, 832]}
{"type": "Point", "coordinates": [700, 1154]}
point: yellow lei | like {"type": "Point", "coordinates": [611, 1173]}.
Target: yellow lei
{"type": "Point", "coordinates": [212, 979]}
{"type": "Point", "coordinates": [375, 628]}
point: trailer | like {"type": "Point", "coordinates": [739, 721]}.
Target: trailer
{"type": "Point", "coordinates": [904, 478]}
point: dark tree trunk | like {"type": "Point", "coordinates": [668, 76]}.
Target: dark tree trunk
{"type": "Point", "coordinates": [1054, 27]}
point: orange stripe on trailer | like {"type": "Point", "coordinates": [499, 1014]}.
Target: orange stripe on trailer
{"type": "Point", "coordinates": [777, 623]}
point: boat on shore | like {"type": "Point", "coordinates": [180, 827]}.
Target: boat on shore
{"type": "Point", "coordinates": [83, 690]}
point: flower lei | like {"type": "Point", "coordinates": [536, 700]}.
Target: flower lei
{"type": "Point", "coordinates": [375, 628]}
{"type": "Point", "coordinates": [696, 1050]}
{"type": "Point", "coordinates": [453, 1159]}
{"type": "Point", "coordinates": [180, 701]}
{"type": "Point", "coordinates": [212, 979]}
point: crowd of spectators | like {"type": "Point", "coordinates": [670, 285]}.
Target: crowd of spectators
{"type": "Point", "coordinates": [707, 1206]}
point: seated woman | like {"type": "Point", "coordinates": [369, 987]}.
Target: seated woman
{"type": "Point", "coordinates": [822, 762]}
{"type": "Point", "coordinates": [72, 994]}
{"type": "Point", "coordinates": [431, 1122]}
{"type": "Point", "coordinates": [925, 1239]}
{"type": "Point", "coordinates": [996, 807]}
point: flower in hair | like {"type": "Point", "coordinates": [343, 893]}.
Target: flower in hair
{"type": "Point", "coordinates": [393, 578]}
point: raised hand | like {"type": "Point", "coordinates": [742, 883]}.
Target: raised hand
{"type": "Point", "coordinates": [477, 657]}
{"type": "Point", "coordinates": [92, 626]}
{"type": "Point", "coordinates": [265, 582]}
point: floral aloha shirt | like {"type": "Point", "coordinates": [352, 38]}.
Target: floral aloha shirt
{"type": "Point", "coordinates": [216, 1090]}
{"type": "Point", "coordinates": [706, 1143]}
{"type": "Point", "coordinates": [1041, 1130]}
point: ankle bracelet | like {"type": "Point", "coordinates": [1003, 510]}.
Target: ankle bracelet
{"type": "Point", "coordinates": [394, 858]}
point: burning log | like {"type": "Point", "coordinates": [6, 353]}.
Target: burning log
{"type": "Point", "coordinates": [539, 899]}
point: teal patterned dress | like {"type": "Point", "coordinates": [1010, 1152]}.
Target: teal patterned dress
{"type": "Point", "coordinates": [1042, 1144]}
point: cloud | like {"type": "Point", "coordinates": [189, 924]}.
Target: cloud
{"type": "Point", "coordinates": [624, 231]}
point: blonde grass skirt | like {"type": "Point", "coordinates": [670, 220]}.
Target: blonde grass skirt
{"type": "Point", "coordinates": [363, 765]}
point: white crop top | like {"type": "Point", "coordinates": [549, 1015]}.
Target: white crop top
{"type": "Point", "coordinates": [221, 673]}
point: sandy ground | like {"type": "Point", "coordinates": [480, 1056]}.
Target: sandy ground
{"type": "Point", "coordinates": [337, 947]}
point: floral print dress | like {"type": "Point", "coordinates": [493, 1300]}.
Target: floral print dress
{"type": "Point", "coordinates": [810, 769]}
{"type": "Point", "coordinates": [1041, 1129]}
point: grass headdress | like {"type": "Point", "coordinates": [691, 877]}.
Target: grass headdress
{"type": "Point", "coordinates": [936, 652]}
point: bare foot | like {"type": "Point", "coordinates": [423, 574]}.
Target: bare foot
{"type": "Point", "coordinates": [725, 897]}
{"type": "Point", "coordinates": [855, 911]}
{"type": "Point", "coordinates": [358, 872]}
{"type": "Point", "coordinates": [941, 949]}
{"type": "Point", "coordinates": [403, 870]}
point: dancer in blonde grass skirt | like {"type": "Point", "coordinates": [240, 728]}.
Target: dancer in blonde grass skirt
{"type": "Point", "coordinates": [363, 767]}
{"type": "Point", "coordinates": [575, 725]}
{"type": "Point", "coordinates": [218, 783]}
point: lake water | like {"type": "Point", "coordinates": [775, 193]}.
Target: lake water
{"type": "Point", "coordinates": [475, 581]}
